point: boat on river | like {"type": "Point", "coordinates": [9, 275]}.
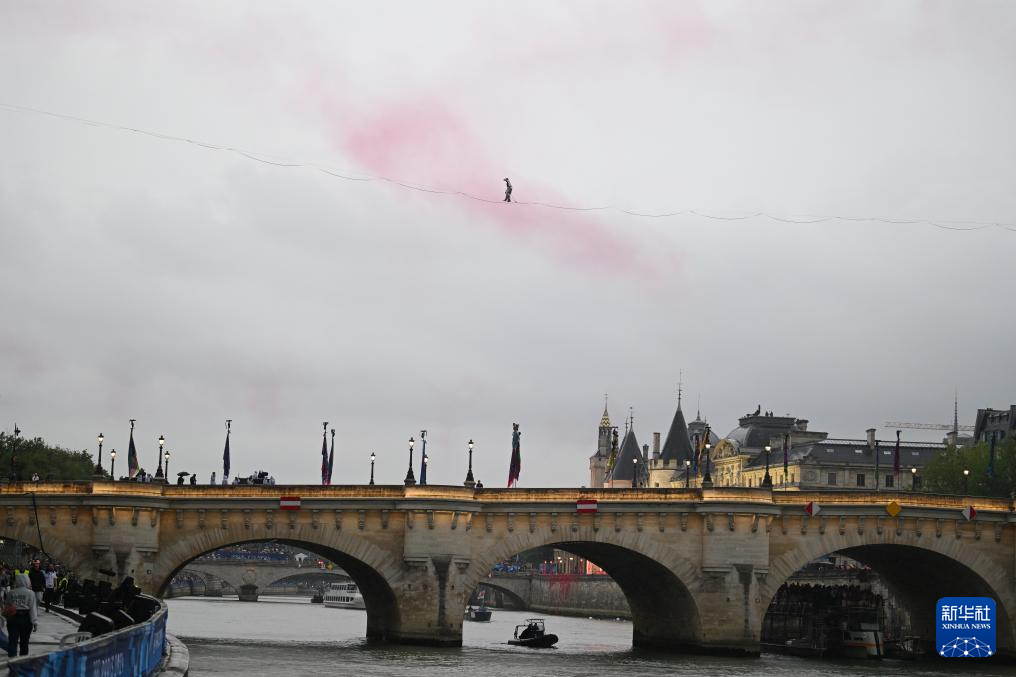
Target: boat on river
{"type": "Point", "coordinates": [533, 634]}
{"type": "Point", "coordinates": [479, 614]}
{"type": "Point", "coordinates": [344, 596]}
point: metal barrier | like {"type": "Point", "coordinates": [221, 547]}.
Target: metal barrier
{"type": "Point", "coordinates": [134, 651]}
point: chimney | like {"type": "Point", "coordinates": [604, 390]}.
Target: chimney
{"type": "Point", "coordinates": [871, 438]}
{"type": "Point", "coordinates": [656, 446]}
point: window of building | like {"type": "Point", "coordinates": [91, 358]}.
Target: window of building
{"type": "Point", "coordinates": [860, 479]}
{"type": "Point", "coordinates": [888, 481]}
{"type": "Point", "coordinates": [831, 481]}
{"type": "Point", "coordinates": [791, 478]}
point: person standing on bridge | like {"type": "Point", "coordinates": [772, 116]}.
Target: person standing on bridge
{"type": "Point", "coordinates": [24, 618]}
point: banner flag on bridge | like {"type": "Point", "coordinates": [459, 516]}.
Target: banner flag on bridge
{"type": "Point", "coordinates": [132, 456]}
{"type": "Point", "coordinates": [225, 455]}
{"type": "Point", "coordinates": [812, 508]}
{"type": "Point", "coordinates": [331, 458]}
{"type": "Point", "coordinates": [516, 463]}
{"type": "Point", "coordinates": [324, 454]}
{"type": "Point", "coordinates": [586, 505]}
{"type": "Point", "coordinates": [969, 512]}
{"type": "Point", "coordinates": [289, 502]}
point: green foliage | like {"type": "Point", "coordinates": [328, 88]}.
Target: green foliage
{"type": "Point", "coordinates": [35, 456]}
{"type": "Point", "coordinates": [945, 473]}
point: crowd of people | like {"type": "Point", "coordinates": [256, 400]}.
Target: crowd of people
{"type": "Point", "coordinates": [261, 552]}
{"type": "Point", "coordinates": [801, 597]}
{"type": "Point", "coordinates": [22, 591]}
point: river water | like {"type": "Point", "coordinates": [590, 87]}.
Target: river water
{"type": "Point", "coordinates": [290, 636]}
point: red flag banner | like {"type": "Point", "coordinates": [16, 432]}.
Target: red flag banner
{"type": "Point", "coordinates": [969, 512]}
{"type": "Point", "coordinates": [812, 508]}
{"type": "Point", "coordinates": [586, 505]}
{"type": "Point", "coordinates": [289, 503]}
{"type": "Point", "coordinates": [515, 468]}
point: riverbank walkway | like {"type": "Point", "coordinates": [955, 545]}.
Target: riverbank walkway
{"type": "Point", "coordinates": [52, 626]}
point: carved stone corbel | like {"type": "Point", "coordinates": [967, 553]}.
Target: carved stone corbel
{"type": "Point", "coordinates": [338, 520]}
{"type": "Point", "coordinates": [639, 520]}
{"type": "Point", "coordinates": [291, 518]}
{"type": "Point", "coordinates": [977, 530]}
{"type": "Point", "coordinates": [998, 531]}
{"type": "Point", "coordinates": [154, 517]}
{"type": "Point", "coordinates": [958, 528]}
{"type": "Point", "coordinates": [532, 522]}
{"type": "Point", "coordinates": [52, 515]}
{"type": "Point", "coordinates": [843, 525]}
{"type": "Point", "coordinates": [662, 519]}
{"type": "Point", "coordinates": [730, 521]}
{"type": "Point", "coordinates": [684, 521]}
{"type": "Point", "coordinates": [386, 514]}
{"type": "Point", "coordinates": [553, 521]}
{"type": "Point", "coordinates": [618, 519]}
{"type": "Point", "coordinates": [574, 522]}
{"type": "Point", "coordinates": [489, 520]}
{"type": "Point", "coordinates": [917, 527]}
{"type": "Point", "coordinates": [822, 524]}
{"type": "Point", "coordinates": [410, 518]}
{"type": "Point", "coordinates": [709, 521]}
{"type": "Point", "coordinates": [469, 520]}
{"type": "Point", "coordinates": [361, 519]}
{"type": "Point", "coordinates": [939, 523]}
{"type": "Point", "coordinates": [878, 526]}
{"type": "Point", "coordinates": [179, 519]}
{"type": "Point", "coordinates": [201, 518]}
{"type": "Point", "coordinates": [112, 516]}
{"type": "Point", "coordinates": [269, 519]}
{"type": "Point", "coordinates": [246, 518]}
{"type": "Point", "coordinates": [74, 514]}
{"type": "Point", "coordinates": [430, 519]}
{"type": "Point", "coordinates": [783, 524]}
{"type": "Point", "coordinates": [135, 513]}
{"type": "Point", "coordinates": [860, 525]}
{"type": "Point", "coordinates": [596, 522]}
{"type": "Point", "coordinates": [511, 521]}
{"type": "Point", "coordinates": [315, 519]}
{"type": "Point", "coordinates": [899, 526]}
{"type": "Point", "coordinates": [223, 518]}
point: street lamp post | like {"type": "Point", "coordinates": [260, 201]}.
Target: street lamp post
{"type": "Point", "coordinates": [913, 479]}
{"type": "Point", "coordinates": [635, 474]}
{"type": "Point", "coordinates": [966, 478]}
{"type": "Point", "coordinates": [470, 482]}
{"type": "Point", "coordinates": [14, 453]}
{"type": "Point", "coordinates": [372, 468]}
{"type": "Point", "coordinates": [112, 464]}
{"type": "Point", "coordinates": [167, 462]}
{"type": "Point", "coordinates": [410, 478]}
{"type": "Point", "coordinates": [98, 466]}
{"type": "Point", "coordinates": [767, 481]}
{"type": "Point", "coordinates": [687, 473]}
{"type": "Point", "coordinates": [158, 472]}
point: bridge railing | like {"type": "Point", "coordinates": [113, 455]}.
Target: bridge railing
{"type": "Point", "coordinates": [134, 651]}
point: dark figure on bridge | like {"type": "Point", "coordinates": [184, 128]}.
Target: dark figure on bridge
{"type": "Point", "coordinates": [507, 190]}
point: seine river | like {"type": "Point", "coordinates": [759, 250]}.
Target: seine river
{"type": "Point", "coordinates": [290, 636]}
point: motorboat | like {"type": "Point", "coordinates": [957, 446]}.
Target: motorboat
{"type": "Point", "coordinates": [344, 596]}
{"type": "Point", "coordinates": [317, 597]}
{"type": "Point", "coordinates": [480, 614]}
{"type": "Point", "coordinates": [533, 634]}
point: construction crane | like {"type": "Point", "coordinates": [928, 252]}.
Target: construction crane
{"type": "Point", "coordinates": [929, 426]}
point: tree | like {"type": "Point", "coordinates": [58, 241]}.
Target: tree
{"type": "Point", "coordinates": [945, 473]}
{"type": "Point", "coordinates": [50, 462]}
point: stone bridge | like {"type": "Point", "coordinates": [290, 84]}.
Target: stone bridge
{"type": "Point", "coordinates": [259, 574]}
{"type": "Point", "coordinates": [571, 594]}
{"type": "Point", "coordinates": [698, 567]}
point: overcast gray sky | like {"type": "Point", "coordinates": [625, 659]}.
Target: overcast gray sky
{"type": "Point", "coordinates": [158, 280]}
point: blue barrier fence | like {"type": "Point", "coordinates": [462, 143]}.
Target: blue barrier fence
{"type": "Point", "coordinates": [135, 651]}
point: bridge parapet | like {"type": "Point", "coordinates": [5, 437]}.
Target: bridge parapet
{"type": "Point", "coordinates": [697, 565]}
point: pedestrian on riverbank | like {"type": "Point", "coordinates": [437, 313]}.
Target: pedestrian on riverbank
{"type": "Point", "coordinates": [50, 592]}
{"type": "Point", "coordinates": [37, 580]}
{"type": "Point", "coordinates": [25, 617]}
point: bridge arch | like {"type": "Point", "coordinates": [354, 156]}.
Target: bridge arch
{"type": "Point", "coordinates": [70, 557]}
{"type": "Point", "coordinates": [371, 568]}
{"type": "Point", "coordinates": [919, 569]}
{"type": "Point", "coordinates": [517, 601]}
{"type": "Point", "coordinates": [656, 580]}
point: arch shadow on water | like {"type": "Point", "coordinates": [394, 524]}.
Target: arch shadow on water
{"type": "Point", "coordinates": [664, 613]}
{"type": "Point", "coordinates": [919, 577]}
{"type": "Point", "coordinates": [378, 597]}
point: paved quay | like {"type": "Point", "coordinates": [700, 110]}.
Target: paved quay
{"type": "Point", "coordinates": [52, 626]}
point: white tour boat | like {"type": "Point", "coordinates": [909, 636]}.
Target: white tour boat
{"type": "Point", "coordinates": [344, 596]}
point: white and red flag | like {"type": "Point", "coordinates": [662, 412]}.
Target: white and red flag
{"type": "Point", "coordinates": [586, 505]}
{"type": "Point", "coordinates": [812, 508]}
{"type": "Point", "coordinates": [289, 502]}
{"type": "Point", "coordinates": [969, 512]}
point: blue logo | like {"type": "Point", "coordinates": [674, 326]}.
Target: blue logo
{"type": "Point", "coordinates": [965, 627]}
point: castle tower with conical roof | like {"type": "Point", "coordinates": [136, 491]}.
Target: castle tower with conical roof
{"type": "Point", "coordinates": [598, 461]}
